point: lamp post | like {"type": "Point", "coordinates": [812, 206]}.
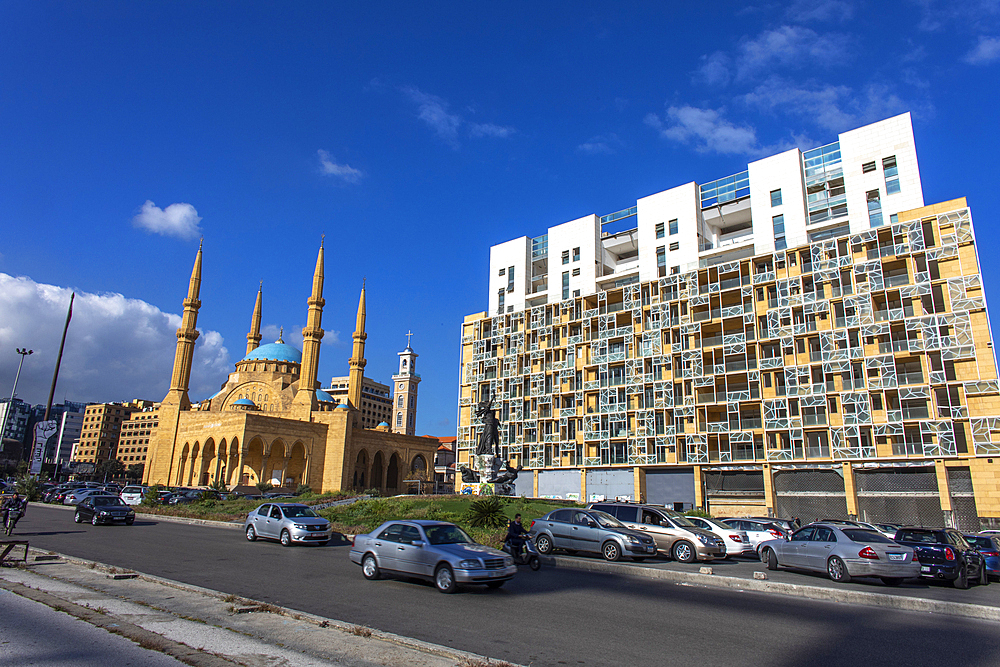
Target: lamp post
{"type": "Point", "coordinates": [10, 405]}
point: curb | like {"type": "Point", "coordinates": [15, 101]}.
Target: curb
{"type": "Point", "coordinates": [408, 642]}
{"type": "Point", "coordinates": [898, 602]}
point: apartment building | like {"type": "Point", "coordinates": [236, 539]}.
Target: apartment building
{"type": "Point", "coordinates": [803, 338]}
{"type": "Point", "coordinates": [133, 441]}
{"type": "Point", "coordinates": [101, 430]}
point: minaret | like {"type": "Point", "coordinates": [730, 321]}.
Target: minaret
{"type": "Point", "coordinates": [253, 338]}
{"type": "Point", "coordinates": [404, 406]}
{"type": "Point", "coordinates": [356, 376]}
{"type": "Point", "coordinates": [312, 334]}
{"type": "Point", "coordinates": [186, 336]}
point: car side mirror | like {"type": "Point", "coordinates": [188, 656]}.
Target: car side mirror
{"type": "Point", "coordinates": [592, 524]}
{"type": "Point", "coordinates": [418, 543]}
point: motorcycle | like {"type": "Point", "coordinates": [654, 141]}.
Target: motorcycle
{"type": "Point", "coordinates": [13, 516]}
{"type": "Point", "coordinates": [527, 555]}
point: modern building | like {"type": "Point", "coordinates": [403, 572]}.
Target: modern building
{"type": "Point", "coordinates": [99, 432]}
{"type": "Point", "coordinates": [804, 338]}
{"type": "Point", "coordinates": [14, 417]}
{"type": "Point", "coordinates": [376, 399]}
{"type": "Point", "coordinates": [133, 443]}
{"type": "Point", "coordinates": [271, 422]}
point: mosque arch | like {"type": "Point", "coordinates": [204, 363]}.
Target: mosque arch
{"type": "Point", "coordinates": [360, 468]}
{"type": "Point", "coordinates": [377, 473]}
{"type": "Point", "coordinates": [297, 461]}
{"type": "Point", "coordinates": [253, 461]}
{"type": "Point", "coordinates": [392, 473]}
{"type": "Point", "coordinates": [185, 455]}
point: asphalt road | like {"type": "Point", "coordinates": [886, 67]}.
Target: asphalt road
{"type": "Point", "coordinates": [551, 617]}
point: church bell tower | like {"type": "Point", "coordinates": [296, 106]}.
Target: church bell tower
{"type": "Point", "coordinates": [404, 405]}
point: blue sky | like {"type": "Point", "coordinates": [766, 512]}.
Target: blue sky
{"type": "Point", "coordinates": [414, 136]}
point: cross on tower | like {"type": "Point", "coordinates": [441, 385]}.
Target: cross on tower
{"type": "Point", "coordinates": [408, 334]}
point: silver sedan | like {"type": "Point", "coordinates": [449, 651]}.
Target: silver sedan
{"type": "Point", "coordinates": [842, 552]}
{"type": "Point", "coordinates": [289, 523]}
{"type": "Point", "coordinates": [433, 550]}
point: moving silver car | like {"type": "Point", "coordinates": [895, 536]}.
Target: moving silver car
{"type": "Point", "coordinates": [435, 550]}
{"type": "Point", "coordinates": [287, 522]}
{"type": "Point", "coordinates": [842, 552]}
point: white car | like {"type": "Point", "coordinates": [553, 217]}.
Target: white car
{"type": "Point", "coordinates": [78, 495]}
{"type": "Point", "coordinates": [758, 531]}
{"type": "Point", "coordinates": [737, 541]}
{"type": "Point", "coordinates": [133, 495]}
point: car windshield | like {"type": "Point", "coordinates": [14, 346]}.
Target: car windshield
{"type": "Point", "coordinates": [106, 502]}
{"type": "Point", "coordinates": [606, 520]}
{"type": "Point", "coordinates": [294, 512]}
{"type": "Point", "coordinates": [866, 536]}
{"type": "Point", "coordinates": [682, 520]}
{"type": "Point", "coordinates": [922, 536]}
{"type": "Point", "coordinates": [447, 535]}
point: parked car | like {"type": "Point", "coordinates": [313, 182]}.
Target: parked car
{"type": "Point", "coordinates": [945, 554]}
{"type": "Point", "coordinates": [842, 552]}
{"type": "Point", "coordinates": [287, 522]}
{"type": "Point", "coordinates": [888, 529]}
{"type": "Point", "coordinates": [184, 497]}
{"type": "Point", "coordinates": [99, 509]}
{"type": "Point", "coordinates": [674, 534]}
{"type": "Point", "coordinates": [74, 497]}
{"type": "Point", "coordinates": [858, 524]}
{"type": "Point", "coordinates": [787, 526]}
{"type": "Point", "coordinates": [757, 530]}
{"type": "Point", "coordinates": [435, 550]}
{"type": "Point", "coordinates": [133, 495]}
{"type": "Point", "coordinates": [590, 530]}
{"type": "Point", "coordinates": [989, 547]}
{"type": "Point", "coordinates": [737, 541]}
{"type": "Point", "coordinates": [58, 494]}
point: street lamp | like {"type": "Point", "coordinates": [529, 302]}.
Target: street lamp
{"type": "Point", "coordinates": [10, 405]}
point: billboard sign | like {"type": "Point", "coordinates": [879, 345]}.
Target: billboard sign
{"type": "Point", "coordinates": [45, 436]}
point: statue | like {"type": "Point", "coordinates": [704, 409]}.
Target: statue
{"type": "Point", "coordinates": [489, 439]}
{"type": "Point", "coordinates": [487, 465]}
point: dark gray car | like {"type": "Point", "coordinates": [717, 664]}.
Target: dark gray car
{"type": "Point", "coordinates": [590, 530]}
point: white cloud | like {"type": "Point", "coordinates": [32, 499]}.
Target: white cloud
{"type": "Point", "coordinates": [714, 70]}
{"type": "Point", "coordinates": [820, 10]}
{"type": "Point", "coordinates": [706, 129]}
{"type": "Point", "coordinates": [605, 144]}
{"type": "Point", "coordinates": [293, 335]}
{"type": "Point", "coordinates": [116, 349]}
{"type": "Point", "coordinates": [985, 52]}
{"type": "Point", "coordinates": [180, 220]}
{"type": "Point", "coordinates": [435, 112]}
{"type": "Point", "coordinates": [331, 168]}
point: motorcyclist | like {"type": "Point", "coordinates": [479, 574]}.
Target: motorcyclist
{"type": "Point", "coordinates": [12, 504]}
{"type": "Point", "coordinates": [516, 535]}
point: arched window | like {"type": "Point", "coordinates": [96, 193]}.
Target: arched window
{"type": "Point", "coordinates": [399, 401]}
{"type": "Point", "coordinates": [399, 419]}
{"type": "Point", "coordinates": [412, 402]}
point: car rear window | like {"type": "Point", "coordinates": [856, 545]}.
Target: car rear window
{"type": "Point", "coordinates": [980, 542]}
{"type": "Point", "coordinates": [866, 536]}
{"type": "Point", "coordinates": [921, 536]}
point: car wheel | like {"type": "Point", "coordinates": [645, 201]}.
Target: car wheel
{"type": "Point", "coordinates": [984, 576]}
{"type": "Point", "coordinates": [444, 579]}
{"type": "Point", "coordinates": [77, 518]}
{"type": "Point", "coordinates": [129, 522]}
{"type": "Point", "coordinates": [251, 534]}
{"type": "Point", "coordinates": [770, 559]}
{"type": "Point", "coordinates": [837, 570]}
{"type": "Point", "coordinates": [611, 550]}
{"type": "Point", "coordinates": [286, 539]}
{"type": "Point", "coordinates": [962, 580]}
{"type": "Point", "coordinates": [94, 521]}
{"type": "Point", "coordinates": [543, 544]}
{"type": "Point", "coordinates": [369, 567]}
{"type": "Point", "coordinates": [495, 584]}
{"type": "Point", "coordinates": [684, 552]}
{"type": "Point", "coordinates": [892, 581]}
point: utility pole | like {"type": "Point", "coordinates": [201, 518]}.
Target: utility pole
{"type": "Point", "coordinates": [10, 405]}
{"type": "Point", "coordinates": [55, 375]}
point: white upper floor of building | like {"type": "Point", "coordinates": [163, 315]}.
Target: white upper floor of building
{"type": "Point", "coordinates": [860, 181]}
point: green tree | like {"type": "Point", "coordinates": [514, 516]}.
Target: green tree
{"type": "Point", "coordinates": [111, 469]}
{"type": "Point", "coordinates": [135, 471]}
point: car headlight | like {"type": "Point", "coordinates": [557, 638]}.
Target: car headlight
{"type": "Point", "coordinates": [301, 526]}
{"type": "Point", "coordinates": [103, 513]}
{"type": "Point", "coordinates": [632, 538]}
{"type": "Point", "coordinates": [508, 561]}
{"type": "Point", "coordinates": [469, 565]}
{"type": "Point", "coordinates": [705, 540]}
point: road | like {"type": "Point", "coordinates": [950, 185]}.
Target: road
{"type": "Point", "coordinates": [552, 617]}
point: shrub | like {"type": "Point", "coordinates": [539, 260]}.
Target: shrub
{"type": "Point", "coordinates": [28, 487]}
{"type": "Point", "coordinates": [698, 512]}
{"type": "Point", "coordinates": [486, 513]}
{"type": "Point", "coordinates": [374, 493]}
{"type": "Point", "coordinates": [152, 496]}
{"type": "Point", "coordinates": [303, 489]}
{"type": "Point", "coordinates": [219, 486]}
{"type": "Point", "coordinates": [264, 487]}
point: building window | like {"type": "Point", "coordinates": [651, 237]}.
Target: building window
{"type": "Point", "coordinates": [576, 272]}
{"type": "Point", "coordinates": [399, 401]}
{"type": "Point", "coordinates": [576, 292]}
{"type": "Point", "coordinates": [674, 246]}
{"type": "Point", "coordinates": [565, 285]}
{"type": "Point", "coordinates": [659, 230]}
{"type": "Point", "coordinates": [674, 270]}
{"type": "Point", "coordinates": [510, 279]}
{"type": "Point", "coordinates": [874, 209]}
{"type": "Point", "coordinates": [891, 172]}
{"type": "Point", "coordinates": [399, 419]}
{"type": "Point", "coordinates": [576, 254]}
{"type": "Point", "coordinates": [894, 218]}
{"type": "Point", "coordinates": [868, 167]}
{"type": "Point", "coordinates": [779, 232]}
{"type": "Point", "coordinates": [565, 256]}
{"type": "Point", "coordinates": [776, 197]}
{"type": "Point", "coordinates": [673, 227]}
{"type": "Point", "coordinates": [661, 261]}
{"type": "Point", "coordinates": [500, 301]}
{"type": "Point", "coordinates": [502, 272]}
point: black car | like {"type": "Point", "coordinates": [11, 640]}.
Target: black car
{"type": "Point", "coordinates": [945, 554]}
{"type": "Point", "coordinates": [104, 509]}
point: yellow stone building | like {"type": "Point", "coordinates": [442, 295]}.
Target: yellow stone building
{"type": "Point", "coordinates": [271, 421]}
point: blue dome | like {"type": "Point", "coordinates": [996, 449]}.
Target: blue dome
{"type": "Point", "coordinates": [323, 396]}
{"type": "Point", "coordinates": [342, 406]}
{"type": "Point", "coordinates": [275, 352]}
{"type": "Point", "coordinates": [244, 401]}
{"type": "Point", "coordinates": [383, 424]}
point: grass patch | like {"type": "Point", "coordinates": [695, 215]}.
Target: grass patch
{"type": "Point", "coordinates": [234, 510]}
{"type": "Point", "coordinates": [361, 631]}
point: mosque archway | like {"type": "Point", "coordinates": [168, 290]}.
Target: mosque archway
{"type": "Point", "coordinates": [392, 474]}
{"type": "Point", "coordinates": [376, 476]}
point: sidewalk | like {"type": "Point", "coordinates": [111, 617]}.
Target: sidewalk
{"type": "Point", "coordinates": [206, 628]}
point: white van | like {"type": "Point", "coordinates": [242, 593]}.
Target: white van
{"type": "Point", "coordinates": [132, 495]}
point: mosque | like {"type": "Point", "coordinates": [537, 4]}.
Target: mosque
{"type": "Point", "coordinates": [271, 421]}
